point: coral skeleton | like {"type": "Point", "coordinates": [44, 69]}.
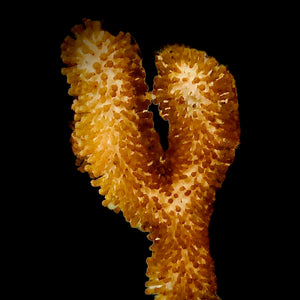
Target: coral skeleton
{"type": "Point", "coordinates": [167, 193]}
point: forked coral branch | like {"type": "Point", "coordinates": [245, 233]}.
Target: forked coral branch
{"type": "Point", "coordinates": [168, 193]}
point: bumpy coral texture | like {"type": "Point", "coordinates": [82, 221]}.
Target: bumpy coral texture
{"type": "Point", "coordinates": [170, 193]}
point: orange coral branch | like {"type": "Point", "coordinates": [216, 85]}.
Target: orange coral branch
{"type": "Point", "coordinates": [167, 193]}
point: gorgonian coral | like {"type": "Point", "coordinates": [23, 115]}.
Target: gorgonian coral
{"type": "Point", "coordinates": [168, 193]}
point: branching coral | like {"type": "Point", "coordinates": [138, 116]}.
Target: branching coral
{"type": "Point", "coordinates": [170, 193]}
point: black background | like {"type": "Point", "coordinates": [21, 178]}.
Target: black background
{"type": "Point", "coordinates": [75, 247]}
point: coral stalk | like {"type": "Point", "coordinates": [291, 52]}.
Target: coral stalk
{"type": "Point", "coordinates": [169, 194]}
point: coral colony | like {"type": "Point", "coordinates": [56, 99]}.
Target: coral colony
{"type": "Point", "coordinates": [168, 193]}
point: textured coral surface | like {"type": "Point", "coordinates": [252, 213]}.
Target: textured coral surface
{"type": "Point", "coordinates": [170, 193]}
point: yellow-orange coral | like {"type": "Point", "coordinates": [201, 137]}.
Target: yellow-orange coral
{"type": "Point", "coordinates": [167, 193]}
